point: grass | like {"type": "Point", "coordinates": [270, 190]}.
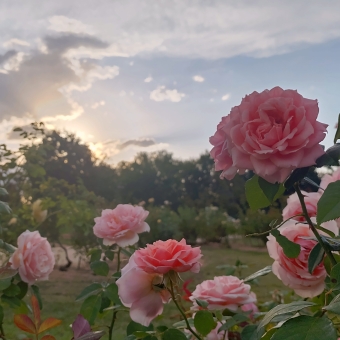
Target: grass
{"type": "Point", "coordinates": [60, 291]}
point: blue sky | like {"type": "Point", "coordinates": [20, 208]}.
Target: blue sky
{"type": "Point", "coordinates": [148, 75]}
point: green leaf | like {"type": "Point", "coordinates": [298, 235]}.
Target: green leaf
{"type": "Point", "coordinates": [202, 303]}
{"type": "Point", "coordinates": [12, 290]}
{"type": "Point", "coordinates": [111, 291]}
{"type": "Point", "coordinates": [100, 268]}
{"type": "Point", "coordinates": [329, 203]}
{"type": "Point", "coordinates": [292, 308]}
{"type": "Point", "coordinates": [4, 208]}
{"type": "Point", "coordinates": [290, 249]}
{"type": "Point", "coordinates": [1, 314]}
{"type": "Point", "coordinates": [91, 307]}
{"type": "Point", "coordinates": [3, 192]}
{"type": "Point", "coordinates": [23, 286]}
{"type": "Point", "coordinates": [204, 322]}
{"type": "Point", "coordinates": [334, 305]}
{"type": "Point", "coordinates": [337, 133]}
{"type": "Point", "coordinates": [306, 328]}
{"type": "Point", "coordinates": [296, 176]}
{"type": "Point", "coordinates": [105, 303]}
{"type": "Point", "coordinates": [92, 289]}
{"type": "Point", "coordinates": [36, 292]}
{"type": "Point", "coordinates": [255, 196]}
{"type": "Point", "coordinates": [332, 243]}
{"type": "Point", "coordinates": [10, 249]}
{"type": "Point", "coordinates": [315, 257]}
{"type": "Point", "coordinates": [17, 129]}
{"type": "Point", "coordinates": [248, 332]}
{"type": "Point", "coordinates": [236, 319]}
{"type": "Point", "coordinates": [12, 301]}
{"type": "Point", "coordinates": [335, 276]}
{"type": "Point", "coordinates": [96, 255]}
{"type": "Point", "coordinates": [261, 272]}
{"type": "Point", "coordinates": [133, 327]}
{"type": "Point", "coordinates": [270, 190]}
{"type": "Point", "coordinates": [173, 334]}
{"type": "Point", "coordinates": [110, 255]}
{"type": "Point", "coordinates": [5, 283]}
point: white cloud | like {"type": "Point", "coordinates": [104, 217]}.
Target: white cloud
{"type": "Point", "coordinates": [161, 93]}
{"type": "Point", "coordinates": [97, 104]}
{"type": "Point", "coordinates": [122, 93]}
{"type": "Point", "coordinates": [198, 78]}
{"type": "Point", "coordinates": [61, 23]}
{"type": "Point", "coordinates": [226, 96]}
{"type": "Point", "coordinates": [131, 63]}
{"type": "Point", "coordinates": [15, 42]}
{"type": "Point", "coordinates": [193, 29]}
{"type": "Point", "coordinates": [148, 79]}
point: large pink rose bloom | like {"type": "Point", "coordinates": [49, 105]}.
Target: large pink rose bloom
{"type": "Point", "coordinates": [223, 292]}
{"type": "Point", "coordinates": [294, 272]}
{"type": "Point", "coordinates": [270, 133]}
{"type": "Point", "coordinates": [33, 258]}
{"type": "Point", "coordinates": [163, 256]}
{"type": "Point", "coordinates": [142, 292]}
{"type": "Point", "coordinates": [121, 225]}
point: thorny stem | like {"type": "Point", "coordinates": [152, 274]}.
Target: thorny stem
{"type": "Point", "coordinates": [171, 290]}
{"type": "Point", "coordinates": [114, 316]}
{"type": "Point", "coordinates": [312, 227]}
{"type": "Point", "coordinates": [118, 260]}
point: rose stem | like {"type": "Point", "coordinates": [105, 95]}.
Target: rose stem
{"type": "Point", "coordinates": [118, 260]}
{"type": "Point", "coordinates": [171, 290]}
{"type": "Point", "coordinates": [311, 225]}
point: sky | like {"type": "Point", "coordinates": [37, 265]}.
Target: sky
{"type": "Point", "coordinates": [147, 75]}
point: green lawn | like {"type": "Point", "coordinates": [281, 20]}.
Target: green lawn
{"type": "Point", "coordinates": [60, 291]}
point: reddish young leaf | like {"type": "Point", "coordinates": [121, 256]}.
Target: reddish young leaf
{"type": "Point", "coordinates": [48, 337]}
{"type": "Point", "coordinates": [36, 311]}
{"type": "Point", "coordinates": [48, 324]}
{"type": "Point", "coordinates": [25, 323]}
{"type": "Point", "coordinates": [80, 327]}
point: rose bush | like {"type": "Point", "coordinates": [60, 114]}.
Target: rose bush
{"type": "Point", "coordinates": [270, 133]}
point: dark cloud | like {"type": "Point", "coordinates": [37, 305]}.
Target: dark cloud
{"type": "Point", "coordinates": [34, 90]}
{"type": "Point", "coordinates": [8, 55]}
{"type": "Point", "coordinates": [137, 142]}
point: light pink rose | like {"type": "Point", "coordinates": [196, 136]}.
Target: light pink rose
{"type": "Point", "coordinates": [222, 292]}
{"type": "Point", "coordinates": [163, 256]}
{"type": "Point", "coordinates": [311, 199]}
{"type": "Point", "coordinates": [326, 179]}
{"type": "Point", "coordinates": [294, 272]}
{"type": "Point", "coordinates": [271, 133]}
{"type": "Point", "coordinates": [252, 307]}
{"type": "Point", "coordinates": [121, 225]}
{"type": "Point", "coordinates": [142, 292]}
{"type": "Point", "coordinates": [33, 258]}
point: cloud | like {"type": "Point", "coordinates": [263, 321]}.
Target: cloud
{"type": "Point", "coordinates": [146, 142]}
{"type": "Point", "coordinates": [198, 78]}
{"type": "Point", "coordinates": [96, 105]}
{"type": "Point", "coordinates": [148, 79]}
{"type": "Point", "coordinates": [190, 29]}
{"type": "Point", "coordinates": [15, 42]}
{"type": "Point", "coordinates": [8, 55]}
{"type": "Point", "coordinates": [161, 93]}
{"type": "Point", "coordinates": [226, 96]}
{"type": "Point", "coordinates": [122, 93]}
{"type": "Point", "coordinates": [43, 83]}
{"type": "Point", "coordinates": [61, 23]}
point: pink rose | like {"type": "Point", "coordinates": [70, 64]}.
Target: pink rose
{"type": "Point", "coordinates": [121, 225]}
{"type": "Point", "coordinates": [222, 292]}
{"type": "Point", "coordinates": [311, 199]}
{"type": "Point", "coordinates": [270, 133]}
{"type": "Point", "coordinates": [142, 292]}
{"type": "Point", "coordinates": [163, 256]}
{"type": "Point", "coordinates": [251, 306]}
{"type": "Point", "coordinates": [33, 258]}
{"type": "Point", "coordinates": [294, 272]}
